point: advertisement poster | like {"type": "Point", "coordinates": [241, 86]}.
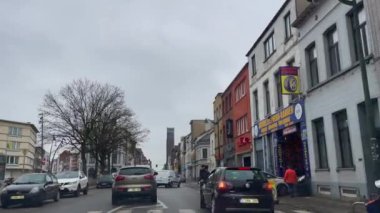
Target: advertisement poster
{"type": "Point", "coordinates": [290, 81]}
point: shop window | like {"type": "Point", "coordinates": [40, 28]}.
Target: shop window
{"type": "Point", "coordinates": [320, 144]}
{"type": "Point", "coordinates": [343, 139]}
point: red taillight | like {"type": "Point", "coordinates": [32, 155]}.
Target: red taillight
{"type": "Point", "coordinates": [149, 177]}
{"type": "Point", "coordinates": [224, 186]}
{"type": "Point", "coordinates": [119, 178]}
{"type": "Point", "coordinates": [244, 168]}
{"type": "Point", "coordinates": [268, 186]}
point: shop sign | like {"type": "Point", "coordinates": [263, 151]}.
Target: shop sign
{"type": "Point", "coordinates": [290, 82]}
{"type": "Point", "coordinates": [281, 120]}
{"type": "Point", "coordinates": [243, 141]}
{"type": "Point", "coordinates": [289, 130]}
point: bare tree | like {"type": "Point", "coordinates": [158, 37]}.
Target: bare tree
{"type": "Point", "coordinates": [92, 117]}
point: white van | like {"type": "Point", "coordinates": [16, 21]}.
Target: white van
{"type": "Point", "coordinates": [168, 178]}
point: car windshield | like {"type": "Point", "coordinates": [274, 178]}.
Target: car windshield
{"type": "Point", "coordinates": [237, 175]}
{"type": "Point", "coordinates": [30, 179]}
{"type": "Point", "coordinates": [105, 178]}
{"type": "Point", "coordinates": [67, 175]}
{"type": "Point", "coordinates": [134, 171]}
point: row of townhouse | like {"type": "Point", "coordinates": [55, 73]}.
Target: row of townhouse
{"type": "Point", "coordinates": [321, 130]}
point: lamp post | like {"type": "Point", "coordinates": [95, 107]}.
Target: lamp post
{"type": "Point", "coordinates": [373, 143]}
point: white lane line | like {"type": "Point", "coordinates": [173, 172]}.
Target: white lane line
{"type": "Point", "coordinates": [278, 211]}
{"type": "Point", "coordinates": [155, 211]}
{"type": "Point", "coordinates": [187, 211]}
{"type": "Point", "coordinates": [95, 212]}
{"type": "Point", "coordinates": [162, 204]}
{"type": "Point", "coordinates": [124, 211]}
{"type": "Point", "coordinates": [301, 211]}
{"type": "Point", "coordinates": [115, 209]}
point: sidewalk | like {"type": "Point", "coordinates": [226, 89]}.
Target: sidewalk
{"type": "Point", "coordinates": [313, 204]}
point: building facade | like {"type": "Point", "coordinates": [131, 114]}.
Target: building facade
{"type": "Point", "coordinates": [278, 120]}
{"type": "Point", "coordinates": [218, 129]}
{"type": "Point", "coordinates": [332, 85]}
{"type": "Point", "coordinates": [202, 151]}
{"type": "Point", "coordinates": [17, 142]}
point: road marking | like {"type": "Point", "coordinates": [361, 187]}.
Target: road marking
{"type": "Point", "coordinates": [278, 211]}
{"type": "Point", "coordinates": [187, 211]}
{"type": "Point", "coordinates": [162, 204]}
{"type": "Point", "coordinates": [95, 212]}
{"type": "Point", "coordinates": [155, 211]}
{"type": "Point", "coordinates": [125, 211]}
{"type": "Point", "coordinates": [115, 209]}
{"type": "Point", "coordinates": [301, 211]}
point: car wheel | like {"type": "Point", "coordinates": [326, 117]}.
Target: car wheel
{"type": "Point", "coordinates": [202, 202]}
{"type": "Point", "coordinates": [153, 198]}
{"type": "Point", "coordinates": [282, 190]}
{"type": "Point", "coordinates": [56, 197]}
{"type": "Point", "coordinates": [85, 191]}
{"type": "Point", "coordinates": [77, 192]}
{"type": "Point", "coordinates": [215, 206]}
{"type": "Point", "coordinates": [114, 200]}
{"type": "Point", "coordinates": [4, 205]}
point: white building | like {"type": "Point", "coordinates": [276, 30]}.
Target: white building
{"type": "Point", "coordinates": [188, 157]}
{"type": "Point", "coordinates": [212, 160]}
{"type": "Point", "coordinates": [202, 151]}
{"type": "Point", "coordinates": [278, 131]}
{"type": "Point", "coordinates": [334, 107]}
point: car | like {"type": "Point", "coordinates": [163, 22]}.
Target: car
{"type": "Point", "coordinates": [73, 182]}
{"type": "Point", "coordinates": [32, 188]}
{"type": "Point", "coordinates": [134, 182]}
{"type": "Point", "coordinates": [104, 181]}
{"type": "Point", "coordinates": [237, 189]}
{"type": "Point", "coordinates": [281, 187]}
{"type": "Point", "coordinates": [168, 178]}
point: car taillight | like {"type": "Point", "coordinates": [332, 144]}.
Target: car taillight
{"type": "Point", "coordinates": [224, 186]}
{"type": "Point", "coordinates": [119, 178]}
{"type": "Point", "coordinates": [149, 177]}
{"type": "Point", "coordinates": [268, 186]}
{"type": "Point", "coordinates": [244, 168]}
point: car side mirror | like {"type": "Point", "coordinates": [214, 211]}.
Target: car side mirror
{"type": "Point", "coordinates": [155, 173]}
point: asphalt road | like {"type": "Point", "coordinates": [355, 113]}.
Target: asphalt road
{"type": "Point", "coordinates": [171, 200]}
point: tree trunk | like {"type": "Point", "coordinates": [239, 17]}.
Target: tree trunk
{"type": "Point", "coordinates": [83, 158]}
{"type": "Point", "coordinates": [96, 168]}
{"type": "Point", "coordinates": [109, 163]}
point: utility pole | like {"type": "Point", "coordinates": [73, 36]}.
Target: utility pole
{"type": "Point", "coordinates": [373, 143]}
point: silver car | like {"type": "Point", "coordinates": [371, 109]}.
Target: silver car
{"type": "Point", "coordinates": [133, 182]}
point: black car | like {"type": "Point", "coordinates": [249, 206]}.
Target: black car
{"type": "Point", "coordinates": [104, 181]}
{"type": "Point", "coordinates": [237, 190]}
{"type": "Point", "coordinates": [33, 189]}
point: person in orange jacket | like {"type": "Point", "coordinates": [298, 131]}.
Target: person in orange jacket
{"type": "Point", "coordinates": [291, 179]}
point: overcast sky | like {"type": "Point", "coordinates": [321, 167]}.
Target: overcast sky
{"type": "Point", "coordinates": [171, 57]}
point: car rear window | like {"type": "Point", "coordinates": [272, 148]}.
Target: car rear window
{"type": "Point", "coordinates": [243, 175]}
{"type": "Point", "coordinates": [134, 171]}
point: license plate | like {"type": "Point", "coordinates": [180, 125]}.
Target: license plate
{"type": "Point", "coordinates": [134, 190]}
{"type": "Point", "coordinates": [245, 200]}
{"type": "Point", "coordinates": [17, 197]}
{"type": "Point", "coordinates": [103, 184]}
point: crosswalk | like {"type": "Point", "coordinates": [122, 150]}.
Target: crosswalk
{"type": "Point", "coordinates": [184, 211]}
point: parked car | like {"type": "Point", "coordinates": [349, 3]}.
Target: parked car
{"type": "Point", "coordinates": [281, 187]}
{"type": "Point", "coordinates": [104, 181]}
{"type": "Point", "coordinates": [134, 181]}
{"type": "Point", "coordinates": [237, 189]}
{"type": "Point", "coordinates": [33, 188]}
{"type": "Point", "coordinates": [168, 178]}
{"type": "Point", "coordinates": [73, 182]}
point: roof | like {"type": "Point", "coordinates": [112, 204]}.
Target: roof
{"type": "Point", "coordinates": [239, 73]}
{"type": "Point", "coordinates": [268, 27]}
{"type": "Point", "coordinates": [21, 123]}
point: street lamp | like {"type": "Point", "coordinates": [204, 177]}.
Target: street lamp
{"type": "Point", "coordinates": [367, 98]}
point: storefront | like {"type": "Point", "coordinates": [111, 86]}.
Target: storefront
{"type": "Point", "coordinates": [281, 140]}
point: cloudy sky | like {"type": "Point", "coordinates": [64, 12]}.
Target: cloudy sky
{"type": "Point", "coordinates": [171, 57]}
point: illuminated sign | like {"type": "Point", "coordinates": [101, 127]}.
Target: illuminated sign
{"type": "Point", "coordinates": [281, 120]}
{"type": "Point", "coordinates": [290, 81]}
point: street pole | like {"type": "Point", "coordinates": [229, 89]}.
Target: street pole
{"type": "Point", "coordinates": [42, 138]}
{"type": "Point", "coordinates": [373, 144]}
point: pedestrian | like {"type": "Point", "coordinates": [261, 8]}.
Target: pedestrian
{"type": "Point", "coordinates": [290, 178]}
{"type": "Point", "coordinates": [203, 174]}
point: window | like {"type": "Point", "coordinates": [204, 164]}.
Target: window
{"type": "Point", "coordinates": [320, 142]}
{"type": "Point", "coordinates": [288, 26]}
{"type": "Point", "coordinates": [15, 131]}
{"type": "Point", "coordinates": [333, 50]}
{"type": "Point", "coordinates": [204, 153]}
{"type": "Point", "coordinates": [267, 97]}
{"type": "Point", "coordinates": [343, 137]}
{"type": "Point", "coordinates": [277, 78]}
{"type": "Point", "coordinates": [363, 30]}
{"type": "Point", "coordinates": [253, 63]}
{"type": "Point", "coordinates": [13, 145]}
{"type": "Point", "coordinates": [312, 60]}
{"type": "Point", "coordinates": [240, 91]}
{"type": "Point", "coordinates": [242, 125]}
{"type": "Point", "coordinates": [12, 159]}
{"type": "Point", "coordinates": [269, 46]}
{"type": "Point", "coordinates": [256, 104]}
